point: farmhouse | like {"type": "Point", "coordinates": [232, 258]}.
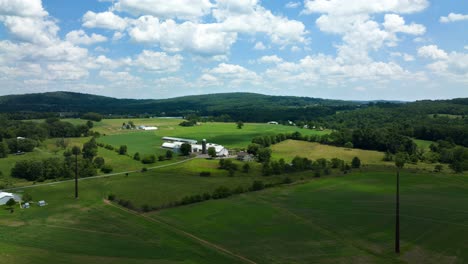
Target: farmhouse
{"type": "Point", "coordinates": [4, 197]}
{"type": "Point", "coordinates": [174, 144]}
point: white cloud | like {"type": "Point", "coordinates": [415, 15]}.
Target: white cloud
{"type": "Point", "coordinates": [360, 33]}
{"type": "Point", "coordinates": [433, 52]}
{"type": "Point", "coordinates": [204, 39]}
{"type": "Point", "coordinates": [66, 71]}
{"type": "Point", "coordinates": [158, 61]}
{"type": "Point", "coordinates": [407, 57]}
{"type": "Point", "coordinates": [259, 46]}
{"type": "Point", "coordinates": [231, 75]}
{"type": "Point", "coordinates": [395, 23]}
{"type": "Point", "coordinates": [466, 47]}
{"type": "Point", "coordinates": [80, 37]}
{"type": "Point", "coordinates": [118, 77]}
{"type": "Point", "coordinates": [270, 59]}
{"type": "Point", "coordinates": [355, 7]}
{"type": "Point", "coordinates": [117, 36]}
{"type": "Point", "coordinates": [22, 8]}
{"type": "Point", "coordinates": [453, 65]}
{"type": "Point", "coordinates": [182, 9]}
{"type": "Point", "coordinates": [453, 17]}
{"type": "Point", "coordinates": [249, 17]}
{"type": "Point", "coordinates": [106, 20]}
{"type": "Point", "coordinates": [31, 29]}
{"type": "Point", "coordinates": [293, 5]}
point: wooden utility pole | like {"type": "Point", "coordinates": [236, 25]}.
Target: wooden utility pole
{"type": "Point", "coordinates": [76, 151]}
{"type": "Point", "coordinates": [397, 222]}
{"type": "Point", "coordinates": [400, 159]}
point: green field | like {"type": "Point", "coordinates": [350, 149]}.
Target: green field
{"type": "Point", "coordinates": [338, 220]}
{"type": "Point", "coordinates": [227, 134]}
{"type": "Point", "coordinates": [290, 148]}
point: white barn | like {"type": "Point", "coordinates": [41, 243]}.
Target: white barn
{"type": "Point", "coordinates": [148, 128]}
{"type": "Point", "coordinates": [175, 145]}
{"type": "Point", "coordinates": [4, 197]}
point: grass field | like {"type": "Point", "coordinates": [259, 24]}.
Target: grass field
{"type": "Point", "coordinates": [290, 148]}
{"type": "Point", "coordinates": [424, 144]}
{"type": "Point", "coordinates": [338, 220]}
{"type": "Point", "coordinates": [227, 134]}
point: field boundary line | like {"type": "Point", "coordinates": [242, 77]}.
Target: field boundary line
{"type": "Point", "coordinates": [184, 233]}
{"type": "Point", "coordinates": [98, 176]}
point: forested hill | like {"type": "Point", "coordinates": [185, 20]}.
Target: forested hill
{"type": "Point", "coordinates": [240, 106]}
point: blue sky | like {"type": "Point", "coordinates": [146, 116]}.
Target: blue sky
{"type": "Point", "coordinates": [340, 49]}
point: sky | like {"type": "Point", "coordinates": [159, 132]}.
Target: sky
{"type": "Point", "coordinates": [337, 49]}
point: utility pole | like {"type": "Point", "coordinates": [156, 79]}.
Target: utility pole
{"type": "Point", "coordinates": [400, 159]}
{"type": "Point", "coordinates": [397, 220]}
{"type": "Point", "coordinates": [76, 151]}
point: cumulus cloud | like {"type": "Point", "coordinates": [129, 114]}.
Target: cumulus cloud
{"type": "Point", "coordinates": [231, 75]}
{"type": "Point", "coordinates": [22, 8]}
{"type": "Point", "coordinates": [259, 46]}
{"type": "Point", "coordinates": [433, 52]}
{"type": "Point", "coordinates": [293, 5]}
{"type": "Point", "coordinates": [453, 17]}
{"type": "Point", "coordinates": [182, 9]}
{"type": "Point", "coordinates": [249, 17]}
{"type": "Point", "coordinates": [270, 59]}
{"type": "Point", "coordinates": [106, 20]}
{"type": "Point", "coordinates": [453, 65]}
{"type": "Point", "coordinates": [80, 37]}
{"type": "Point", "coordinates": [205, 39]}
{"type": "Point", "coordinates": [347, 7]}
{"type": "Point", "coordinates": [360, 33]}
{"type": "Point", "coordinates": [158, 61]}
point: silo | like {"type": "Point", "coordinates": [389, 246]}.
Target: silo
{"type": "Point", "coordinates": [204, 146]}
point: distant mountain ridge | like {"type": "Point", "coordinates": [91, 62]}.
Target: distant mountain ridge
{"type": "Point", "coordinates": [239, 106]}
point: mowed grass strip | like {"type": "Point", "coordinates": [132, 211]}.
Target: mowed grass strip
{"type": "Point", "coordinates": [346, 219]}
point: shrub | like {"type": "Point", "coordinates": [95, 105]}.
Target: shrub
{"type": "Point", "coordinates": [144, 169]}
{"type": "Point", "coordinates": [221, 192]}
{"type": "Point", "coordinates": [161, 158]}
{"type": "Point", "coordinates": [246, 168]}
{"type": "Point", "coordinates": [257, 186]}
{"type": "Point", "coordinates": [107, 168]}
{"type": "Point", "coordinates": [169, 154]}
{"type": "Point", "coordinates": [111, 197]}
{"type": "Point", "coordinates": [149, 159]}
{"type": "Point", "coordinates": [136, 156]}
{"type": "Point", "coordinates": [205, 174]}
{"type": "Point", "coordinates": [99, 162]}
{"type": "Point", "coordinates": [438, 168]}
{"type": "Point", "coordinates": [123, 150]}
{"type": "Point", "coordinates": [356, 163]}
{"type": "Point", "coordinates": [287, 180]}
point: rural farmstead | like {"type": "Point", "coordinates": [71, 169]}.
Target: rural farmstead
{"type": "Point", "coordinates": [174, 144]}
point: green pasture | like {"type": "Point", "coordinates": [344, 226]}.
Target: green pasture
{"type": "Point", "coordinates": [348, 219]}
{"type": "Point", "coordinates": [227, 134]}
{"type": "Point", "coordinates": [290, 148]}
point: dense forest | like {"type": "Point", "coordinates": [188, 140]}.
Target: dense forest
{"type": "Point", "coordinates": [236, 106]}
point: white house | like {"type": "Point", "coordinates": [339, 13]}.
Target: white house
{"type": "Point", "coordinates": [4, 197]}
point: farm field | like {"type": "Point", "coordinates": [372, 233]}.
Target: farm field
{"type": "Point", "coordinates": [227, 134]}
{"type": "Point", "coordinates": [346, 219]}
{"type": "Point", "coordinates": [290, 148]}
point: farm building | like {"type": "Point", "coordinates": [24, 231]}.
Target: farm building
{"type": "Point", "coordinates": [174, 144]}
{"type": "Point", "coordinates": [147, 128]}
{"type": "Point", "coordinates": [4, 197]}
{"type": "Point", "coordinates": [273, 123]}
{"type": "Point", "coordinates": [244, 156]}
